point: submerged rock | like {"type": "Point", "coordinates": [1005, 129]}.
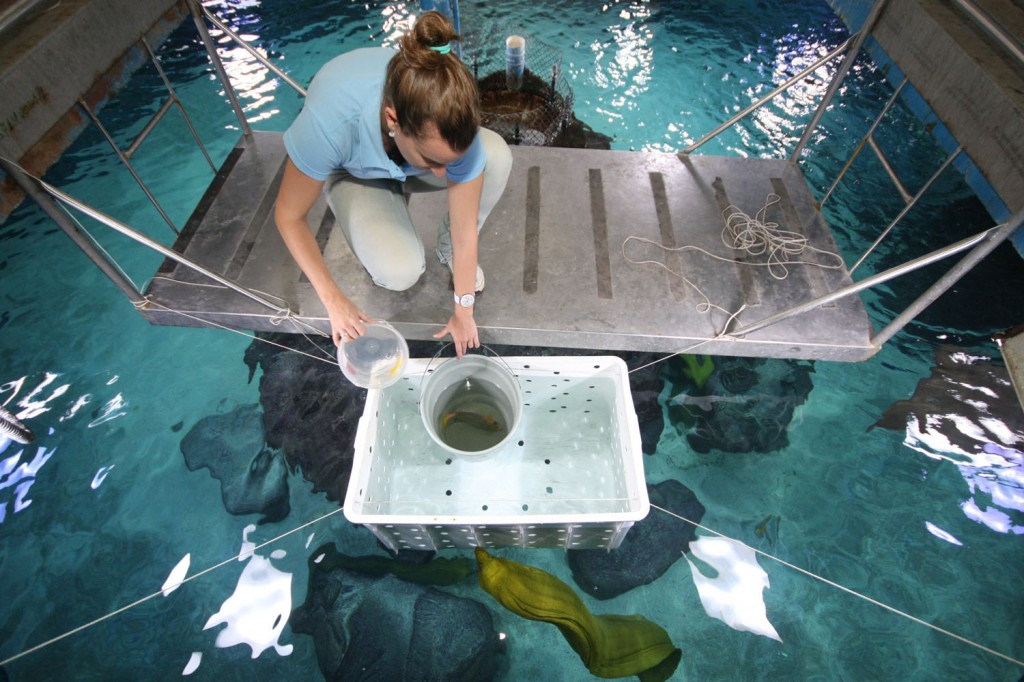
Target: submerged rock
{"type": "Point", "coordinates": [650, 548]}
{"type": "Point", "coordinates": [385, 629]}
{"type": "Point", "coordinates": [745, 405]}
{"type": "Point", "coordinates": [253, 478]}
{"type": "Point", "coordinates": [439, 571]}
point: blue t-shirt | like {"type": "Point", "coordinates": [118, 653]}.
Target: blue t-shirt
{"type": "Point", "coordinates": [339, 125]}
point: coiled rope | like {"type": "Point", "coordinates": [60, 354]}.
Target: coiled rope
{"type": "Point", "coordinates": [755, 236]}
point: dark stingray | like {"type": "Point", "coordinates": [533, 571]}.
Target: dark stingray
{"type": "Point", "coordinates": [253, 478]}
{"type": "Point", "coordinates": [962, 385]}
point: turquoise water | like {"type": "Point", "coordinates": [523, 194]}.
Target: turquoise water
{"type": "Point", "coordinates": [100, 510]}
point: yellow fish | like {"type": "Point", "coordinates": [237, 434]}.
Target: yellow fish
{"type": "Point", "coordinates": [477, 421]}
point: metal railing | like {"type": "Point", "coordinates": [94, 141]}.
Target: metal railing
{"type": "Point", "coordinates": [978, 246]}
{"type": "Point", "coordinates": [53, 200]}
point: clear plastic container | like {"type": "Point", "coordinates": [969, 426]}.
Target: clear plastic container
{"type": "Point", "coordinates": [376, 359]}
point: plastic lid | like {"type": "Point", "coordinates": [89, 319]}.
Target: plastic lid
{"type": "Point", "coordinates": [376, 359]}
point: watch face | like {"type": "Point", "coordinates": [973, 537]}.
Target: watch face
{"type": "Point", "coordinates": [465, 300]}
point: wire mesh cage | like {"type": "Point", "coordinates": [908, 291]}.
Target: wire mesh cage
{"type": "Point", "coordinates": [535, 112]}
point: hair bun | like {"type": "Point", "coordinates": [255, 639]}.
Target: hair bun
{"type": "Point", "coordinates": [432, 30]}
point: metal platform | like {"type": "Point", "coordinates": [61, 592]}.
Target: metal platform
{"type": "Point", "coordinates": [552, 251]}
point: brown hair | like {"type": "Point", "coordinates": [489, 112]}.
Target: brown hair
{"type": "Point", "coordinates": [425, 86]}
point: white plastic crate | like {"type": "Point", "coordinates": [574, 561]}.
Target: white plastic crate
{"type": "Point", "coordinates": [572, 476]}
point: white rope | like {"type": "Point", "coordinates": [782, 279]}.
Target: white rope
{"type": "Point", "coordinates": [721, 335]}
{"type": "Point", "coordinates": [149, 597]}
{"type": "Point", "coordinates": [284, 313]}
{"type": "Point", "coordinates": [836, 585]}
{"type": "Point", "coordinates": [95, 241]}
{"type": "Point", "coordinates": [210, 323]}
{"type": "Point", "coordinates": [757, 237]}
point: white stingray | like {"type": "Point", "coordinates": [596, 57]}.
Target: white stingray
{"type": "Point", "coordinates": [735, 596]}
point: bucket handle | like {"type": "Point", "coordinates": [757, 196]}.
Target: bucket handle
{"type": "Point", "coordinates": [515, 376]}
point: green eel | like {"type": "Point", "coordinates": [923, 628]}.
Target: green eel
{"type": "Point", "coordinates": [698, 368]}
{"type": "Point", "coordinates": [610, 646]}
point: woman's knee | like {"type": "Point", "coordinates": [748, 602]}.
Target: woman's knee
{"type": "Point", "coordinates": [397, 274]}
{"type": "Point", "coordinates": [499, 156]}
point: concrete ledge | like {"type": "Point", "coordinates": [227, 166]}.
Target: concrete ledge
{"type": "Point", "coordinates": [79, 49]}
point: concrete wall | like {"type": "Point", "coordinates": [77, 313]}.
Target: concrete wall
{"type": "Point", "coordinates": [966, 88]}
{"type": "Point", "coordinates": [78, 49]}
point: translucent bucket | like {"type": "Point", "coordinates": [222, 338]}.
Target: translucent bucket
{"type": "Point", "coordinates": [471, 406]}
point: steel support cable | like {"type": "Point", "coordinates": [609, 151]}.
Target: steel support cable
{"type": "Point", "coordinates": [282, 311]}
{"type": "Point", "coordinates": [836, 585]}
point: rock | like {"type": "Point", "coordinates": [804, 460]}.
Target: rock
{"type": "Point", "coordinates": [385, 629]}
{"type": "Point", "coordinates": [745, 405]}
{"type": "Point", "coordinates": [253, 478]}
{"type": "Point", "coordinates": [650, 548]}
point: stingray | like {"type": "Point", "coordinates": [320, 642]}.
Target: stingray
{"type": "Point", "coordinates": [962, 388]}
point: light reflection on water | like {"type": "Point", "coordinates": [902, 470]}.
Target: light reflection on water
{"type": "Point", "coordinates": [966, 413]}
{"type": "Point", "coordinates": [20, 470]}
{"type": "Point", "coordinates": [258, 610]}
{"type": "Point", "coordinates": [623, 69]}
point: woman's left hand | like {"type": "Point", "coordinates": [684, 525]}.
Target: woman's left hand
{"type": "Point", "coordinates": [462, 327]}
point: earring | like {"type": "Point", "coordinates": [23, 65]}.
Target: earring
{"type": "Point", "coordinates": [391, 133]}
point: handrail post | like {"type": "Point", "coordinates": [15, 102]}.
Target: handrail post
{"type": "Point", "coordinates": [50, 207]}
{"type": "Point", "coordinates": [863, 141]}
{"type": "Point", "coordinates": [761, 101]}
{"type": "Point", "coordinates": [173, 94]}
{"type": "Point", "coordinates": [944, 283]}
{"type": "Point", "coordinates": [128, 164]}
{"type": "Point", "coordinates": [218, 66]}
{"type": "Point", "coordinates": [874, 280]}
{"type": "Point", "coordinates": [908, 206]}
{"type": "Point", "coordinates": [837, 79]}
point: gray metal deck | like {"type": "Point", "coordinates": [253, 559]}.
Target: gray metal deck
{"type": "Point", "coordinates": [552, 253]}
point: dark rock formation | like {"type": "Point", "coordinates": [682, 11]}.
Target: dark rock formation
{"type": "Point", "coordinates": [386, 629]}
{"type": "Point", "coordinates": [650, 548]}
{"type": "Point", "coordinates": [253, 478]}
{"type": "Point", "coordinates": [745, 405]}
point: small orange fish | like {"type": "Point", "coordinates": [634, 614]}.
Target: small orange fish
{"type": "Point", "coordinates": [477, 421]}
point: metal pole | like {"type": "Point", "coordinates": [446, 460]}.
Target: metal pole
{"type": "Point", "coordinates": [249, 48]}
{"type": "Point", "coordinates": [158, 247]}
{"type": "Point", "coordinates": [50, 207]}
{"type": "Point", "coordinates": [997, 236]}
{"type": "Point", "coordinates": [128, 164]}
{"type": "Point", "coordinates": [993, 28]}
{"type": "Point", "coordinates": [761, 101]}
{"type": "Point", "coordinates": [181, 107]}
{"type": "Point", "coordinates": [860, 147]}
{"type": "Point", "coordinates": [840, 74]}
{"type": "Point", "coordinates": [857, 287]}
{"type": "Point", "coordinates": [908, 206]}
{"type": "Point", "coordinates": [218, 66]}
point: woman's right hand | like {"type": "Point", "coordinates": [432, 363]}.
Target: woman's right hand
{"type": "Point", "coordinates": [347, 319]}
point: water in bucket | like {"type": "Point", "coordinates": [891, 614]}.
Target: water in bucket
{"type": "Point", "coordinates": [471, 419]}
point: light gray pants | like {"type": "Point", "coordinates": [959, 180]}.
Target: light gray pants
{"type": "Point", "coordinates": [374, 217]}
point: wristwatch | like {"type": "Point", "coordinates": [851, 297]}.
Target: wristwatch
{"type": "Point", "coordinates": [466, 300]}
